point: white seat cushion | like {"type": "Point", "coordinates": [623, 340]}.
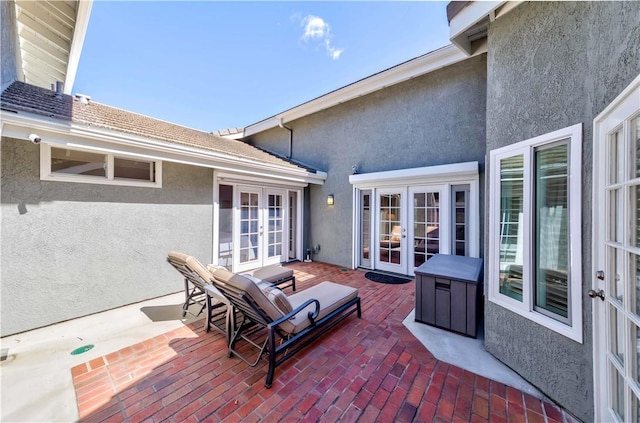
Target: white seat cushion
{"type": "Point", "coordinates": [271, 274]}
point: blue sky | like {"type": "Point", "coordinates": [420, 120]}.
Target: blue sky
{"type": "Point", "coordinates": [214, 65]}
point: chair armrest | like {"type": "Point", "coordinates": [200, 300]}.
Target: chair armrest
{"type": "Point", "coordinates": [311, 315]}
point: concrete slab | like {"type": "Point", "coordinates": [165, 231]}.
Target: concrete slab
{"type": "Point", "coordinates": [35, 379]}
{"type": "Point", "coordinates": [467, 353]}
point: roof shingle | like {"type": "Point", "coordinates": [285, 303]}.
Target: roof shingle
{"type": "Point", "coordinates": [20, 96]}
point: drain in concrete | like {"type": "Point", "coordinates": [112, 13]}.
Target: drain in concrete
{"type": "Point", "coordinates": [82, 349]}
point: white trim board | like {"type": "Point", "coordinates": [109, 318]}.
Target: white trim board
{"type": "Point", "coordinates": [419, 175]}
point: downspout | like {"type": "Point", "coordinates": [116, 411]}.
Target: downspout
{"type": "Point", "coordinates": [281, 124]}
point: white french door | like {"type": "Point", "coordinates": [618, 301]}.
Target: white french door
{"type": "Point", "coordinates": [409, 221]}
{"type": "Point", "coordinates": [274, 241]}
{"type": "Point", "coordinates": [428, 213]}
{"type": "Point", "coordinates": [616, 282]}
{"type": "Point", "coordinates": [392, 231]}
{"type": "Point", "coordinates": [260, 225]}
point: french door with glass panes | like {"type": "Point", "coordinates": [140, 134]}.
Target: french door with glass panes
{"type": "Point", "coordinates": [615, 291]}
{"type": "Point", "coordinates": [409, 227]}
{"type": "Point", "coordinates": [260, 226]}
{"type": "Point", "coordinates": [392, 231]}
{"type": "Point", "coordinates": [429, 211]}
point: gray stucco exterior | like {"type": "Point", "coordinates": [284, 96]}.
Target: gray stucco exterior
{"type": "Point", "coordinates": [434, 119]}
{"type": "Point", "coordinates": [550, 66]}
{"type": "Point", "coordinates": [9, 53]}
{"type": "Point", "coordinates": [70, 249]}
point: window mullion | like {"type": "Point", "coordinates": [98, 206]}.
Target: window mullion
{"type": "Point", "coordinates": [529, 230]}
{"type": "Point", "coordinates": [110, 167]}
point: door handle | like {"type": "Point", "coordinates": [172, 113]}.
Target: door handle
{"type": "Point", "coordinates": [596, 294]}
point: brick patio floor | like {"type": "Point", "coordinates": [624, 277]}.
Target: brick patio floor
{"type": "Point", "coordinates": [369, 370]}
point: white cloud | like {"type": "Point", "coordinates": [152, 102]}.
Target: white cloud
{"type": "Point", "coordinates": [315, 28]}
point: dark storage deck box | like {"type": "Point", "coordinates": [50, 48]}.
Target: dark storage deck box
{"type": "Point", "coordinates": [448, 293]}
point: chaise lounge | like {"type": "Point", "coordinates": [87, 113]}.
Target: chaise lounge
{"type": "Point", "coordinates": [296, 320]}
{"type": "Point", "coordinates": [196, 279]}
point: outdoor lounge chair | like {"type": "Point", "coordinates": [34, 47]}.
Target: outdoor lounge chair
{"type": "Point", "coordinates": [199, 290]}
{"type": "Point", "coordinates": [275, 275]}
{"type": "Point", "coordinates": [393, 240]}
{"type": "Point", "coordinates": [297, 320]}
{"type": "Point", "coordinates": [194, 293]}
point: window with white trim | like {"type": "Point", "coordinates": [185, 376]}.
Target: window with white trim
{"type": "Point", "coordinates": [59, 163]}
{"type": "Point", "coordinates": [535, 230]}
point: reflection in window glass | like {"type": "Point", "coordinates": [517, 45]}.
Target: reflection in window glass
{"type": "Point", "coordinates": [552, 237]}
{"type": "Point", "coordinates": [390, 229]}
{"type": "Point", "coordinates": [426, 226]}
{"type": "Point", "coordinates": [635, 343]}
{"type": "Point", "coordinates": [276, 221]}
{"type": "Point", "coordinates": [225, 226]}
{"type": "Point", "coordinates": [616, 337]}
{"type": "Point", "coordinates": [133, 169]}
{"type": "Point", "coordinates": [511, 226]}
{"type": "Point", "coordinates": [635, 140]}
{"type": "Point", "coordinates": [634, 200]}
{"type": "Point", "coordinates": [73, 162]}
{"type": "Point", "coordinates": [634, 260]}
{"type": "Point", "coordinates": [366, 216]}
{"type": "Point", "coordinates": [618, 156]}
{"type": "Point", "coordinates": [460, 198]}
{"type": "Point", "coordinates": [248, 226]}
{"type": "Point", "coordinates": [617, 391]}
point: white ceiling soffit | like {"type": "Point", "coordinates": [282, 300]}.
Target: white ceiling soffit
{"type": "Point", "coordinates": [471, 23]}
{"type": "Point", "coordinates": [51, 35]}
{"type": "Point", "coordinates": [430, 62]}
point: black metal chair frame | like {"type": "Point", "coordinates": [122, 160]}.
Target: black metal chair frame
{"type": "Point", "coordinates": [279, 283]}
{"type": "Point", "coordinates": [282, 283]}
{"type": "Point", "coordinates": [254, 319]}
{"type": "Point", "coordinates": [218, 316]}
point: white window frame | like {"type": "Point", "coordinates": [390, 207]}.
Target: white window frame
{"type": "Point", "coordinates": [572, 330]}
{"type": "Point", "coordinates": [47, 175]}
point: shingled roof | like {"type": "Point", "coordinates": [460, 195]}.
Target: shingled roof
{"type": "Point", "coordinates": [22, 97]}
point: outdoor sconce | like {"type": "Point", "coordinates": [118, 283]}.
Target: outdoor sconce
{"type": "Point", "coordinates": [330, 200]}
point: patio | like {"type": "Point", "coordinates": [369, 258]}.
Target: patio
{"type": "Point", "coordinates": [369, 369]}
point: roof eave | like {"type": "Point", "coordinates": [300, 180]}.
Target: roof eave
{"type": "Point", "coordinates": [427, 63]}
{"type": "Point", "coordinates": [53, 131]}
{"type": "Point", "coordinates": [473, 15]}
{"type": "Point", "coordinates": [79, 33]}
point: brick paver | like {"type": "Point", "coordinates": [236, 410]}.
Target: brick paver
{"type": "Point", "coordinates": [365, 370]}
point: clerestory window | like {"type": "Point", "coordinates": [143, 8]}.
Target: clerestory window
{"type": "Point", "coordinates": [84, 166]}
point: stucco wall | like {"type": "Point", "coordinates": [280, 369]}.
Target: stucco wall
{"type": "Point", "coordinates": [552, 65]}
{"type": "Point", "coordinates": [435, 119]}
{"type": "Point", "coordinates": [9, 51]}
{"type": "Point", "coordinates": [69, 250]}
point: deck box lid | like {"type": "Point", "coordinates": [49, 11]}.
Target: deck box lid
{"type": "Point", "coordinates": [460, 268]}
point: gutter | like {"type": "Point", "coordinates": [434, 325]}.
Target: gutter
{"type": "Point", "coordinates": [281, 125]}
{"type": "Point", "coordinates": [21, 125]}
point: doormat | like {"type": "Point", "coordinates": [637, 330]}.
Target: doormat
{"type": "Point", "coordinates": [382, 278]}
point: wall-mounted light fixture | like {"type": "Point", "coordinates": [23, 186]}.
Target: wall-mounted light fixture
{"type": "Point", "coordinates": [330, 200]}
